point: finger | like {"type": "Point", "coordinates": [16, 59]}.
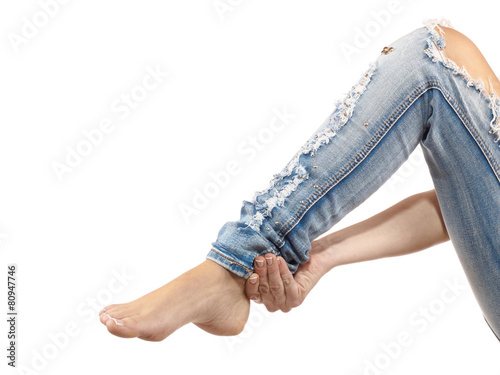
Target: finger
{"type": "Point", "coordinates": [252, 288]}
{"type": "Point", "coordinates": [265, 294]}
{"type": "Point", "coordinates": [289, 286]}
{"type": "Point", "coordinates": [274, 280]}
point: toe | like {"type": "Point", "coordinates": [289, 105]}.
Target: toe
{"type": "Point", "coordinates": [113, 309]}
{"type": "Point", "coordinates": [123, 312]}
{"type": "Point", "coordinates": [103, 317]}
{"type": "Point", "coordinates": [107, 308]}
{"type": "Point", "coordinates": [121, 328]}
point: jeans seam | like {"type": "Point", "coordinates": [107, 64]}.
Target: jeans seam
{"type": "Point", "coordinates": [358, 159]}
{"type": "Point", "coordinates": [393, 118]}
{"type": "Point", "coordinates": [483, 146]}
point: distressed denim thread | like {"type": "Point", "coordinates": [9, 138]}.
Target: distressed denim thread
{"type": "Point", "coordinates": [342, 113]}
{"type": "Point", "coordinates": [478, 84]}
{"type": "Point", "coordinates": [387, 125]}
{"type": "Point", "coordinates": [341, 116]}
{"type": "Point", "coordinates": [440, 43]}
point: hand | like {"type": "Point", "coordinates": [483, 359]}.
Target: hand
{"type": "Point", "coordinates": [274, 285]}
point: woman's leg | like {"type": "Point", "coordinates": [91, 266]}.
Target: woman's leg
{"type": "Point", "coordinates": [406, 98]}
{"type": "Point", "coordinates": [467, 185]}
{"type": "Point", "coordinates": [413, 94]}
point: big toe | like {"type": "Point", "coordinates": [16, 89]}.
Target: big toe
{"type": "Point", "coordinates": [125, 328]}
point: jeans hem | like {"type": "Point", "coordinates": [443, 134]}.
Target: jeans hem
{"type": "Point", "coordinates": [225, 260]}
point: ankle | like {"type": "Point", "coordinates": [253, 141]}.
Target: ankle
{"type": "Point", "coordinates": [222, 279]}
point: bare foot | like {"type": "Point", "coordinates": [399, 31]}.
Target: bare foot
{"type": "Point", "coordinates": [208, 295]}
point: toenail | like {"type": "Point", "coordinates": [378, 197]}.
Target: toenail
{"type": "Point", "coordinates": [260, 263]}
{"type": "Point", "coordinates": [118, 322]}
{"type": "Point", "coordinates": [253, 279]}
{"type": "Point", "coordinates": [269, 261]}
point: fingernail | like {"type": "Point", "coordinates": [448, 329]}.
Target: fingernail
{"type": "Point", "coordinates": [253, 279]}
{"type": "Point", "coordinates": [269, 261]}
{"type": "Point", "coordinates": [260, 263]}
{"type": "Point", "coordinates": [278, 259]}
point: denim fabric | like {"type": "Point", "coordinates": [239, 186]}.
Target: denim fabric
{"type": "Point", "coordinates": [411, 95]}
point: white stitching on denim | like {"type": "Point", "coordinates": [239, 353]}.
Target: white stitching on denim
{"type": "Point", "coordinates": [280, 191]}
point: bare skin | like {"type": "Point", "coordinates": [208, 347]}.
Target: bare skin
{"type": "Point", "coordinates": [411, 225]}
{"type": "Point", "coordinates": [404, 228]}
{"type": "Point", "coordinates": [464, 52]}
{"type": "Point", "coordinates": [214, 299]}
{"type": "Point", "coordinates": [208, 295]}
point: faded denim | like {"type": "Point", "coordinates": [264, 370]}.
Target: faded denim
{"type": "Point", "coordinates": [411, 95]}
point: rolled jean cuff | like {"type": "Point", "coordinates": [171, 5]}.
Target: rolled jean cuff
{"type": "Point", "coordinates": [226, 260]}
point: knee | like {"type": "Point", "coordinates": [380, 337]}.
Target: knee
{"type": "Point", "coordinates": [461, 50]}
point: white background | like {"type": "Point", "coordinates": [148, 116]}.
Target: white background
{"type": "Point", "coordinates": [119, 209]}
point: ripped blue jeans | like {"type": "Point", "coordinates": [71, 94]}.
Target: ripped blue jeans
{"type": "Point", "coordinates": [411, 95]}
